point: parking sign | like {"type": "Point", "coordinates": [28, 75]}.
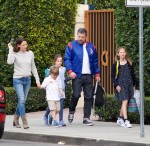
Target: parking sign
{"type": "Point", "coordinates": [137, 3]}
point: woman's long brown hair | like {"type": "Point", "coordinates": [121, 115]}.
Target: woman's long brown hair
{"type": "Point", "coordinates": [18, 42]}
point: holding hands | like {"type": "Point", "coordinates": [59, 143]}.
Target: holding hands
{"type": "Point", "coordinates": [38, 85]}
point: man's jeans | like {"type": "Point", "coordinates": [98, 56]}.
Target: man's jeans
{"type": "Point", "coordinates": [86, 82]}
{"type": "Point", "coordinates": [22, 86]}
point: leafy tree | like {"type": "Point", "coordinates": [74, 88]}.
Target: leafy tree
{"type": "Point", "coordinates": [47, 25]}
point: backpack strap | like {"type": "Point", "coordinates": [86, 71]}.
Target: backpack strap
{"type": "Point", "coordinates": [117, 68]}
{"type": "Point", "coordinates": [47, 72]}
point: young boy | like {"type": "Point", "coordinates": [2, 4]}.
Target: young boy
{"type": "Point", "coordinates": [53, 87]}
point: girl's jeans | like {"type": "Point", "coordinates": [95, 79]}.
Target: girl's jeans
{"type": "Point", "coordinates": [22, 86]}
{"type": "Point", "coordinates": [60, 112]}
{"type": "Point", "coordinates": [61, 109]}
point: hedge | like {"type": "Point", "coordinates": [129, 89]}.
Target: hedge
{"type": "Point", "coordinates": [111, 108]}
{"type": "Point", "coordinates": [36, 100]}
{"type": "Point", "coordinates": [47, 25]}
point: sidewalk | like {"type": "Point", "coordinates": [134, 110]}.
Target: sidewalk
{"type": "Point", "coordinates": [102, 133]}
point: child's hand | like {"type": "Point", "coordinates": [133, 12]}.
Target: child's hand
{"type": "Point", "coordinates": [118, 88]}
{"type": "Point", "coordinates": [62, 94]}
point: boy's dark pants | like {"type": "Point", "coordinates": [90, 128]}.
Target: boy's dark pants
{"type": "Point", "coordinates": [86, 82]}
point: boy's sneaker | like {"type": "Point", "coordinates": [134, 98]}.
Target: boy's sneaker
{"type": "Point", "coordinates": [50, 119]}
{"type": "Point", "coordinates": [55, 124]}
{"type": "Point", "coordinates": [120, 122]}
{"type": "Point", "coordinates": [70, 117]}
{"type": "Point", "coordinates": [45, 120]}
{"type": "Point", "coordinates": [61, 123]}
{"type": "Point", "coordinates": [87, 122]}
{"type": "Point", "coordinates": [127, 124]}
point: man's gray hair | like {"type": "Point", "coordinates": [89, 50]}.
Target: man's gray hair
{"type": "Point", "coordinates": [82, 30]}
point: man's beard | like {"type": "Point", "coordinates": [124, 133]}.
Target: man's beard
{"type": "Point", "coordinates": [81, 42]}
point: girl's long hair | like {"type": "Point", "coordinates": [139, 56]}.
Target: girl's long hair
{"type": "Point", "coordinates": [56, 57]}
{"type": "Point", "coordinates": [18, 42]}
{"type": "Point", "coordinates": [117, 58]}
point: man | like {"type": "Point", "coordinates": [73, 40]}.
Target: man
{"type": "Point", "coordinates": [81, 63]}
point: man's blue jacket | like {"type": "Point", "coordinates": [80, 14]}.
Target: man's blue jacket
{"type": "Point", "coordinates": [74, 58]}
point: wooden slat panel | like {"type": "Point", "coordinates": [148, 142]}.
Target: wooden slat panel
{"type": "Point", "coordinates": [100, 27]}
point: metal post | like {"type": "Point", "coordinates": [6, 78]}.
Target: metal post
{"type": "Point", "coordinates": [85, 2]}
{"type": "Point", "coordinates": [141, 71]}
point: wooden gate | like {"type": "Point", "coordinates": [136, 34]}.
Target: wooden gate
{"type": "Point", "coordinates": [100, 28]}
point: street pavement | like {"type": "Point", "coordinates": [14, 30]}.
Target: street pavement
{"type": "Point", "coordinates": [4, 142]}
{"type": "Point", "coordinates": [102, 133]}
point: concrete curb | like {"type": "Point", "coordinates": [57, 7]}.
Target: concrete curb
{"type": "Point", "coordinates": [68, 140]}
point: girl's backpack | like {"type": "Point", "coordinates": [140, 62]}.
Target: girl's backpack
{"type": "Point", "coordinates": [117, 68]}
{"type": "Point", "coordinates": [47, 72]}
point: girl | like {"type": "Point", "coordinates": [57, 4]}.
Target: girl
{"type": "Point", "coordinates": [23, 60]}
{"type": "Point", "coordinates": [123, 78]}
{"type": "Point", "coordinates": [48, 118]}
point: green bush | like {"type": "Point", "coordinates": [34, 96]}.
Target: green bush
{"type": "Point", "coordinates": [68, 95]}
{"type": "Point", "coordinates": [48, 26]}
{"type": "Point", "coordinates": [36, 100]}
{"type": "Point", "coordinates": [111, 108]}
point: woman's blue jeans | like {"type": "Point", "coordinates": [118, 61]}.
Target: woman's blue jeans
{"type": "Point", "coordinates": [22, 86]}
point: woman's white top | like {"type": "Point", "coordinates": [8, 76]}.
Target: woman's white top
{"type": "Point", "coordinates": [23, 64]}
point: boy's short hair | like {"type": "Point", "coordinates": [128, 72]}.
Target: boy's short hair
{"type": "Point", "coordinates": [54, 70]}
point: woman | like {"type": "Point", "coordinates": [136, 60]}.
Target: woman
{"type": "Point", "coordinates": [23, 60]}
